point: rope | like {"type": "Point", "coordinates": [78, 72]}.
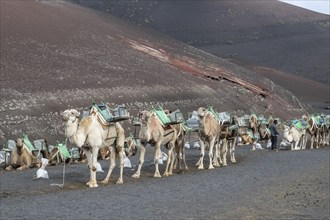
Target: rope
{"type": "Point", "coordinates": [63, 179]}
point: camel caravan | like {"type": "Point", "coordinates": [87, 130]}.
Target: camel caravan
{"type": "Point", "coordinates": [97, 134]}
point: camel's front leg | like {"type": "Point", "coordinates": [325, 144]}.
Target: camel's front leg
{"type": "Point", "coordinates": [111, 165]}
{"type": "Point", "coordinates": [157, 152]}
{"type": "Point", "coordinates": [121, 164]}
{"type": "Point", "coordinates": [317, 140]}
{"type": "Point", "coordinates": [141, 161]}
{"type": "Point", "coordinates": [211, 153]}
{"type": "Point", "coordinates": [92, 182]}
{"type": "Point", "coordinates": [232, 151]}
{"type": "Point", "coordinates": [216, 157]}
{"type": "Point", "coordinates": [200, 163]}
{"type": "Point", "coordinates": [24, 167]}
{"type": "Point", "coordinates": [312, 141]}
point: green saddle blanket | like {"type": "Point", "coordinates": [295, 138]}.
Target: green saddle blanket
{"type": "Point", "coordinates": [299, 124]}
{"type": "Point", "coordinates": [65, 154]}
{"type": "Point", "coordinates": [214, 113]}
{"type": "Point", "coordinates": [104, 112]}
{"type": "Point", "coordinates": [28, 143]}
{"type": "Point", "coordinates": [164, 120]}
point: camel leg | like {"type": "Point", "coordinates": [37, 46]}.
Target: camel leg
{"type": "Point", "coordinates": [170, 152]}
{"type": "Point", "coordinates": [232, 151]}
{"type": "Point", "coordinates": [24, 167]}
{"type": "Point", "coordinates": [93, 182]}
{"type": "Point", "coordinates": [111, 165]}
{"type": "Point", "coordinates": [157, 153]}
{"type": "Point", "coordinates": [89, 162]}
{"type": "Point", "coordinates": [211, 154]}
{"type": "Point", "coordinates": [312, 141]}
{"type": "Point", "coordinates": [141, 161]}
{"type": "Point", "coordinates": [216, 156]}
{"type": "Point", "coordinates": [317, 140]}
{"type": "Point", "coordinates": [200, 162]}
{"type": "Point", "coordinates": [302, 143]}
{"type": "Point", "coordinates": [184, 158]}
{"type": "Point", "coordinates": [121, 164]}
{"type": "Point", "coordinates": [173, 158]}
{"type": "Point", "coordinates": [224, 152]}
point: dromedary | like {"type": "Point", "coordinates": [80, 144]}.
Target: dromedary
{"type": "Point", "coordinates": [209, 131]}
{"type": "Point", "coordinates": [294, 136]}
{"type": "Point", "coordinates": [253, 123]}
{"type": "Point", "coordinates": [154, 133]}
{"type": "Point", "coordinates": [325, 130]}
{"type": "Point", "coordinates": [313, 130]}
{"type": "Point", "coordinates": [90, 132]}
{"type": "Point", "coordinates": [179, 148]}
{"type": "Point", "coordinates": [22, 158]}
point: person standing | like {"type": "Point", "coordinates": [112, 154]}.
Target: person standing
{"type": "Point", "coordinates": [274, 133]}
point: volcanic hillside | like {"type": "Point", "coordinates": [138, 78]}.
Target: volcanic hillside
{"type": "Point", "coordinates": [56, 55]}
{"type": "Point", "coordinates": [288, 44]}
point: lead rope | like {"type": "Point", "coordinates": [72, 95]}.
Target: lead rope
{"type": "Point", "coordinates": [63, 179]}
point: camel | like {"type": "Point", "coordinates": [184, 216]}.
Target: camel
{"type": "Point", "coordinates": [209, 132]}
{"type": "Point", "coordinates": [324, 130]}
{"type": "Point", "coordinates": [253, 123]}
{"type": "Point", "coordinates": [228, 135]}
{"type": "Point", "coordinates": [152, 132]}
{"type": "Point", "coordinates": [91, 135]}
{"type": "Point", "coordinates": [179, 148]}
{"type": "Point", "coordinates": [264, 132]}
{"type": "Point", "coordinates": [294, 136]}
{"type": "Point", "coordinates": [313, 130]}
{"type": "Point", "coordinates": [22, 157]}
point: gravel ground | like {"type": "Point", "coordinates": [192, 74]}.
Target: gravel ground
{"type": "Point", "coordinates": [261, 185]}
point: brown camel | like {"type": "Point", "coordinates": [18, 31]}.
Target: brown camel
{"type": "Point", "coordinates": [228, 136]}
{"type": "Point", "coordinates": [22, 157]}
{"type": "Point", "coordinates": [152, 132]}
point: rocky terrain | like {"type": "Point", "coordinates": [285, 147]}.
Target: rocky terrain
{"type": "Point", "coordinates": [272, 38]}
{"type": "Point", "coordinates": [57, 55]}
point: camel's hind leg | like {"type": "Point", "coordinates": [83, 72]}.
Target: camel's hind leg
{"type": "Point", "coordinates": [224, 152]}
{"type": "Point", "coordinates": [111, 166]}
{"type": "Point", "coordinates": [141, 161]}
{"type": "Point", "coordinates": [200, 161]}
{"type": "Point", "coordinates": [232, 151]}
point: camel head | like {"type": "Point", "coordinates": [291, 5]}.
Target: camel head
{"type": "Point", "coordinates": [19, 145]}
{"type": "Point", "coordinates": [144, 116]}
{"type": "Point", "coordinates": [130, 147]}
{"type": "Point", "coordinates": [201, 112]}
{"type": "Point", "coordinates": [70, 114]}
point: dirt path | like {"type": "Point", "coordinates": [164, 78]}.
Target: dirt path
{"type": "Point", "coordinates": [263, 184]}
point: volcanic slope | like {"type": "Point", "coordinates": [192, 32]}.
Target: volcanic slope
{"type": "Point", "coordinates": [56, 55]}
{"type": "Point", "coordinates": [270, 36]}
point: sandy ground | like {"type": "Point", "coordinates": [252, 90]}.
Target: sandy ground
{"type": "Point", "coordinates": [261, 185]}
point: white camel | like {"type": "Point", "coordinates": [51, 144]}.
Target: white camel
{"type": "Point", "coordinates": [209, 131]}
{"type": "Point", "coordinates": [294, 136]}
{"type": "Point", "coordinates": [90, 132]}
